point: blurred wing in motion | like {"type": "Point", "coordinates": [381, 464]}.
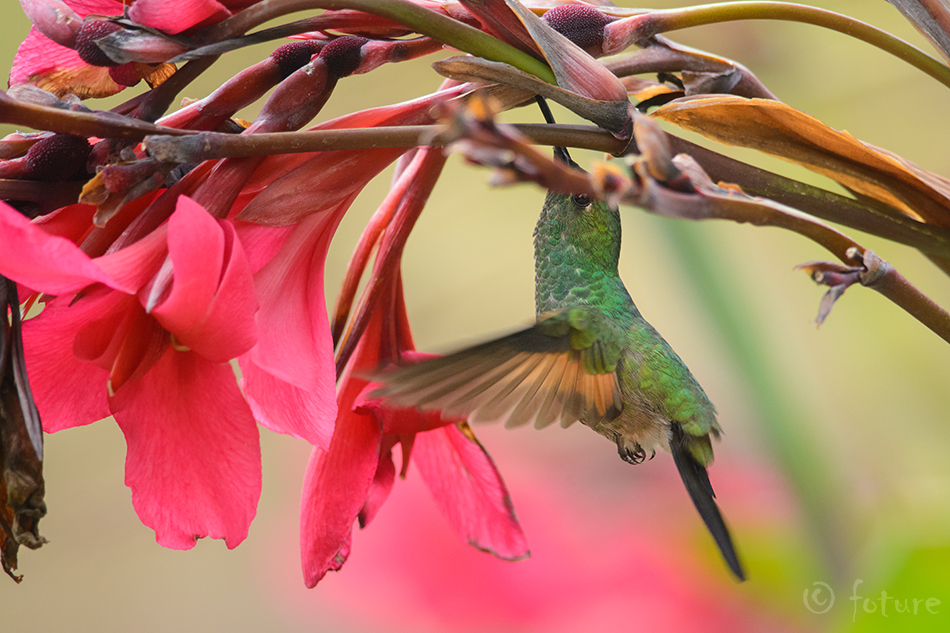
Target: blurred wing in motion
{"type": "Point", "coordinates": [559, 370]}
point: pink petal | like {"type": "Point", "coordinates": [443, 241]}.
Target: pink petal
{"type": "Point", "coordinates": [71, 222]}
{"type": "Point", "coordinates": [284, 408]}
{"type": "Point", "coordinates": [174, 17]}
{"type": "Point", "coordinates": [68, 391]}
{"type": "Point", "coordinates": [212, 302]}
{"type": "Point", "coordinates": [289, 376]}
{"type": "Point", "coordinates": [338, 176]}
{"type": "Point", "coordinates": [334, 490]}
{"type": "Point", "coordinates": [47, 65]}
{"type": "Point", "coordinates": [96, 7]}
{"type": "Point", "coordinates": [294, 342]}
{"type": "Point", "coordinates": [196, 250]}
{"type": "Point", "coordinates": [43, 262]}
{"type": "Point", "coordinates": [55, 265]}
{"type": "Point", "coordinates": [229, 328]}
{"type": "Point", "coordinates": [261, 243]}
{"type": "Point", "coordinates": [132, 267]}
{"type": "Point", "coordinates": [469, 491]}
{"type": "Point", "coordinates": [55, 19]}
{"type": "Point", "coordinates": [194, 459]}
{"type": "Point", "coordinates": [414, 112]}
{"type": "Point", "coordinates": [399, 421]}
{"type": "Point", "coordinates": [382, 484]}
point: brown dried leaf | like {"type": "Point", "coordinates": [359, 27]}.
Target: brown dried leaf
{"type": "Point", "coordinates": [664, 56]}
{"type": "Point", "coordinates": [780, 130]}
{"type": "Point", "coordinates": [21, 468]}
{"type": "Point", "coordinates": [611, 115]}
{"type": "Point", "coordinates": [574, 68]}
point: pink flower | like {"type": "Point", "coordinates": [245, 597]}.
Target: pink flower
{"type": "Point", "coordinates": [353, 478]}
{"type": "Point", "coordinates": [148, 343]}
{"type": "Point", "coordinates": [60, 54]}
{"type": "Point", "coordinates": [289, 377]}
{"type": "Point", "coordinates": [607, 541]}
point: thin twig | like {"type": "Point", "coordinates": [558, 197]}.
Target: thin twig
{"type": "Point", "coordinates": [673, 19]}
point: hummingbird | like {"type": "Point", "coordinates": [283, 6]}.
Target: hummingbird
{"type": "Point", "coordinates": [590, 357]}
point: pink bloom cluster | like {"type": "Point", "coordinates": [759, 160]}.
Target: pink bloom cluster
{"type": "Point", "coordinates": [186, 298]}
{"type": "Point", "coordinates": [162, 283]}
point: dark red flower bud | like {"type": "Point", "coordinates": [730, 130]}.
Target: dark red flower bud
{"type": "Point", "coordinates": [57, 158]}
{"type": "Point", "coordinates": [342, 55]}
{"type": "Point", "coordinates": [290, 57]}
{"type": "Point", "coordinates": [580, 23]}
{"type": "Point", "coordinates": [86, 45]}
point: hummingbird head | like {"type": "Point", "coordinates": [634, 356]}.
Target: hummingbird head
{"type": "Point", "coordinates": [578, 230]}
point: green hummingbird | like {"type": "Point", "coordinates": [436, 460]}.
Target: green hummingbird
{"type": "Point", "coordinates": [590, 357]}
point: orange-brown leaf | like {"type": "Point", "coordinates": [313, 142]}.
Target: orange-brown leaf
{"type": "Point", "coordinates": [780, 130]}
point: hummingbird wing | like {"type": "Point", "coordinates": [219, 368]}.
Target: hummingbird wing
{"type": "Point", "coordinates": [559, 370]}
{"type": "Point", "coordinates": [696, 479]}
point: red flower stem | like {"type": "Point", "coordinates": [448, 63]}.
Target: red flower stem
{"type": "Point", "coordinates": [673, 19]}
{"type": "Point", "coordinates": [413, 16]}
{"type": "Point", "coordinates": [159, 98]}
{"type": "Point", "coordinates": [361, 256]}
{"type": "Point", "coordinates": [410, 199]}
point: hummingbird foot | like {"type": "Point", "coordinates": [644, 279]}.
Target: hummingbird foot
{"type": "Point", "coordinates": [633, 454]}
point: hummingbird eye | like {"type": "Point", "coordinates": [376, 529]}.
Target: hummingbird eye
{"type": "Point", "coordinates": [581, 200]}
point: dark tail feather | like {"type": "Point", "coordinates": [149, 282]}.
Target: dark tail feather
{"type": "Point", "coordinates": [696, 479]}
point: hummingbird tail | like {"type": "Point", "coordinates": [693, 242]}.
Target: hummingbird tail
{"type": "Point", "coordinates": [696, 480]}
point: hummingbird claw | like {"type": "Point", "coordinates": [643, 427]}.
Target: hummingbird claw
{"type": "Point", "coordinates": [635, 455]}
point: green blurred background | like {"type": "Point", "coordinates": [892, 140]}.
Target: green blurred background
{"type": "Point", "coordinates": [833, 468]}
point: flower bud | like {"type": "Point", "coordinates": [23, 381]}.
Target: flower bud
{"type": "Point", "coordinates": [580, 23]}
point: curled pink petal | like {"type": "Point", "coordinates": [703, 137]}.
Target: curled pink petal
{"type": "Point", "coordinates": [229, 328]}
{"type": "Point", "coordinates": [294, 342]}
{"type": "Point", "coordinates": [194, 460]}
{"type": "Point", "coordinates": [334, 490]}
{"type": "Point", "coordinates": [382, 484]}
{"type": "Point", "coordinates": [196, 250]}
{"type": "Point", "coordinates": [211, 305]}
{"type": "Point", "coordinates": [469, 491]}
